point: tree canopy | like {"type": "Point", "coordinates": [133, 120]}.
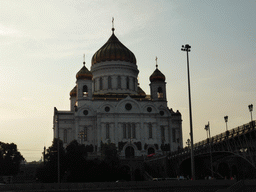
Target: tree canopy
{"type": "Point", "coordinates": [10, 159]}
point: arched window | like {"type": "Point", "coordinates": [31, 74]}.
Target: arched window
{"type": "Point", "coordinates": [119, 82]}
{"type": "Point", "coordinates": [107, 131]}
{"type": "Point", "coordinates": [150, 135]}
{"type": "Point", "coordinates": [160, 92]}
{"type": "Point", "coordinates": [65, 139]}
{"type": "Point", "coordinates": [127, 83]}
{"type": "Point", "coordinates": [101, 83]}
{"type": "Point", "coordinates": [85, 91]}
{"type": "Point", "coordinates": [109, 83]}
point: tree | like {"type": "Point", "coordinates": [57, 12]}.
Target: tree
{"type": "Point", "coordinates": [111, 162]}
{"type": "Point", "coordinates": [109, 152]}
{"type": "Point", "coordinates": [76, 161]}
{"type": "Point", "coordinates": [10, 159]}
{"type": "Point", "coordinates": [49, 171]}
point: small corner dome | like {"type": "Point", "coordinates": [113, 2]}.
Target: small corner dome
{"type": "Point", "coordinates": [73, 92]}
{"type": "Point", "coordinates": [157, 76]}
{"type": "Point", "coordinates": [113, 50]}
{"type": "Point", "coordinates": [84, 73]}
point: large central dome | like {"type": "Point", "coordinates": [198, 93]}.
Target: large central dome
{"type": "Point", "coordinates": [113, 50]}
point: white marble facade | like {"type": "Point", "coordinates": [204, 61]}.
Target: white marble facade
{"type": "Point", "coordinates": [107, 105]}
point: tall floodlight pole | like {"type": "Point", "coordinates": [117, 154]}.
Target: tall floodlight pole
{"type": "Point", "coordinates": [58, 147]}
{"type": "Point", "coordinates": [250, 109]}
{"type": "Point", "coordinates": [187, 49]}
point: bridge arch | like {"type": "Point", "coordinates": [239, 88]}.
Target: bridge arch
{"type": "Point", "coordinates": [222, 168]}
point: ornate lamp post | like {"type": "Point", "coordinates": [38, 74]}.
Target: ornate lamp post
{"type": "Point", "coordinates": [188, 143]}
{"type": "Point", "coordinates": [226, 120]}
{"type": "Point", "coordinates": [250, 109]}
{"type": "Point", "coordinates": [207, 128]}
{"type": "Point", "coordinates": [187, 48]}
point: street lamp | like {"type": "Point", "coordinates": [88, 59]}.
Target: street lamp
{"type": "Point", "coordinates": [188, 143]}
{"type": "Point", "coordinates": [226, 120]}
{"type": "Point", "coordinates": [207, 128]}
{"type": "Point", "coordinates": [187, 48]}
{"type": "Point", "coordinates": [250, 109]}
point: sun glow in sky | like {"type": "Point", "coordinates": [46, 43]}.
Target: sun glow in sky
{"type": "Point", "coordinates": [42, 45]}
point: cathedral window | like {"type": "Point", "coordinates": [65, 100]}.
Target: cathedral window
{"type": "Point", "coordinates": [124, 131]}
{"type": "Point", "coordinates": [150, 135]}
{"type": "Point", "coordinates": [101, 83]}
{"type": "Point", "coordinates": [133, 131]}
{"type": "Point", "coordinates": [65, 139]}
{"type": "Point", "coordinates": [85, 91]}
{"type": "Point", "coordinates": [160, 92]}
{"type": "Point", "coordinates": [127, 83]}
{"type": "Point", "coordinates": [109, 83]}
{"type": "Point", "coordinates": [107, 131]}
{"type": "Point", "coordinates": [173, 135]}
{"type": "Point", "coordinates": [119, 82]}
{"type": "Point", "coordinates": [162, 134]}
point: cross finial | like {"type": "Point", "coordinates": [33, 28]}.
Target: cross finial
{"type": "Point", "coordinates": [84, 60]}
{"type": "Point", "coordinates": [156, 63]}
{"type": "Point", "coordinates": [113, 29]}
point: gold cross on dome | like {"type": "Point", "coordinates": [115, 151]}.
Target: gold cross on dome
{"type": "Point", "coordinates": [156, 63]}
{"type": "Point", "coordinates": [113, 29]}
{"type": "Point", "coordinates": [84, 59]}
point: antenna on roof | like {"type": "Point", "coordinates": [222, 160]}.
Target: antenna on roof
{"type": "Point", "coordinates": [156, 63]}
{"type": "Point", "coordinates": [84, 60]}
{"type": "Point", "coordinates": [113, 29]}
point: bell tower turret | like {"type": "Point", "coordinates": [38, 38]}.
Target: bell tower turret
{"type": "Point", "coordinates": [157, 85]}
{"type": "Point", "coordinates": [84, 84]}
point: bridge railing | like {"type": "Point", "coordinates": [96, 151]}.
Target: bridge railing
{"type": "Point", "coordinates": [218, 138]}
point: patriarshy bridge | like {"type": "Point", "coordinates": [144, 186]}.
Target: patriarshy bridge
{"type": "Point", "coordinates": [232, 153]}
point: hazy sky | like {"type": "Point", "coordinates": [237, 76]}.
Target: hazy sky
{"type": "Point", "coordinates": [42, 45]}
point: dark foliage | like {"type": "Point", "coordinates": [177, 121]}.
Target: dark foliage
{"type": "Point", "coordinates": [10, 159]}
{"type": "Point", "coordinates": [76, 168]}
{"type": "Point", "coordinates": [138, 144]}
{"type": "Point", "coordinates": [121, 145]}
{"type": "Point", "coordinates": [75, 161]}
{"type": "Point", "coordinates": [49, 172]}
{"type": "Point", "coordinates": [165, 147]}
{"type": "Point", "coordinates": [89, 148]}
{"type": "Point", "coordinates": [156, 146]}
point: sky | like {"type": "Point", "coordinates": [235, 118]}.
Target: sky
{"type": "Point", "coordinates": [42, 45]}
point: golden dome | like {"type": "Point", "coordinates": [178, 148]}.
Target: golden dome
{"type": "Point", "coordinates": [84, 73]}
{"type": "Point", "coordinates": [113, 50]}
{"type": "Point", "coordinates": [73, 92]}
{"type": "Point", "coordinates": [157, 76]}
